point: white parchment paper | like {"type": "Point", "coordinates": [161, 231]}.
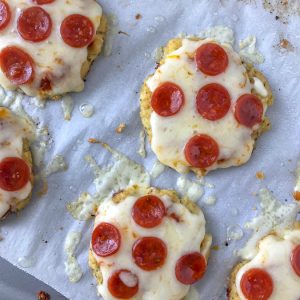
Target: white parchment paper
{"type": "Point", "coordinates": [112, 87]}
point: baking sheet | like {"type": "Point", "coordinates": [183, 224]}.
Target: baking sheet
{"type": "Point", "coordinates": [112, 87]}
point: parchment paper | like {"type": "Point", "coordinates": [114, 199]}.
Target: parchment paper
{"type": "Point", "coordinates": [112, 87]}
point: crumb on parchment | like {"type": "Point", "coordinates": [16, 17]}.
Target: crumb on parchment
{"type": "Point", "coordinates": [138, 16]}
{"type": "Point", "coordinates": [120, 128]}
{"type": "Point", "coordinates": [123, 32]}
{"type": "Point", "coordinates": [41, 295]}
{"type": "Point", "coordinates": [93, 141]}
{"type": "Point", "coordinates": [260, 175]}
{"type": "Point", "coordinates": [286, 44]}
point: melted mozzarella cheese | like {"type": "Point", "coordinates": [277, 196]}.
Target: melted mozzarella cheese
{"type": "Point", "coordinates": [170, 134]}
{"type": "Point", "coordinates": [52, 55]}
{"type": "Point", "coordinates": [274, 257]}
{"type": "Point", "coordinates": [12, 133]}
{"type": "Point", "coordinates": [180, 238]}
{"type": "Point", "coordinates": [297, 185]}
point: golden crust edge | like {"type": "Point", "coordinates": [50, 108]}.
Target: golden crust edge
{"type": "Point", "coordinates": [232, 290]}
{"type": "Point", "coordinates": [145, 97]}
{"type": "Point", "coordinates": [122, 195]}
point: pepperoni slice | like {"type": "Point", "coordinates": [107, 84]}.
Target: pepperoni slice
{"type": "Point", "coordinates": [14, 174]}
{"type": "Point", "coordinates": [34, 24]}
{"type": "Point", "coordinates": [213, 101]}
{"type": "Point", "coordinates": [248, 110]}
{"type": "Point", "coordinates": [148, 211]}
{"type": "Point", "coordinates": [41, 2]}
{"type": "Point", "coordinates": [5, 14]}
{"type": "Point", "coordinates": [77, 31]}
{"type": "Point", "coordinates": [106, 239]}
{"type": "Point", "coordinates": [211, 59]}
{"type": "Point", "coordinates": [190, 268]}
{"type": "Point", "coordinates": [167, 99]}
{"type": "Point", "coordinates": [17, 65]}
{"type": "Point", "coordinates": [149, 253]}
{"type": "Point", "coordinates": [201, 151]}
{"type": "Point", "coordinates": [123, 284]}
{"type": "Point", "coordinates": [256, 284]}
{"type": "Point", "coordinates": [295, 260]}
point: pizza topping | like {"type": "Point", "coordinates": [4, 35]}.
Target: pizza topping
{"type": "Point", "coordinates": [190, 268]}
{"type": "Point", "coordinates": [17, 65]}
{"type": "Point", "coordinates": [45, 84]}
{"type": "Point", "coordinates": [149, 253]}
{"type": "Point", "coordinates": [77, 31]}
{"type": "Point", "coordinates": [41, 2]}
{"type": "Point", "coordinates": [257, 284]}
{"type": "Point", "coordinates": [148, 211]}
{"type": "Point", "coordinates": [123, 284]}
{"type": "Point", "coordinates": [5, 14]}
{"type": "Point", "coordinates": [213, 101]}
{"type": "Point", "coordinates": [34, 24]}
{"type": "Point", "coordinates": [249, 110]}
{"type": "Point", "coordinates": [167, 99]}
{"type": "Point", "coordinates": [295, 260]}
{"type": "Point", "coordinates": [211, 59]}
{"type": "Point", "coordinates": [201, 151]}
{"type": "Point", "coordinates": [106, 239]}
{"type": "Point", "coordinates": [14, 174]}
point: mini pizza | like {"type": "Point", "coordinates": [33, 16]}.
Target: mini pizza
{"type": "Point", "coordinates": [48, 46]}
{"type": "Point", "coordinates": [204, 108]}
{"type": "Point", "coordinates": [16, 177]}
{"type": "Point", "coordinates": [273, 274]}
{"type": "Point", "coordinates": [148, 244]}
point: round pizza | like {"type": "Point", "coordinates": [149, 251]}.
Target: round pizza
{"type": "Point", "coordinates": [274, 272]}
{"type": "Point", "coordinates": [16, 178]}
{"type": "Point", "coordinates": [204, 108]}
{"type": "Point", "coordinates": [148, 244]}
{"type": "Point", "coordinates": [47, 46]}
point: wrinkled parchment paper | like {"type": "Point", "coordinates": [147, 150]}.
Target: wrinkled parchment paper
{"type": "Point", "coordinates": [112, 87]}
